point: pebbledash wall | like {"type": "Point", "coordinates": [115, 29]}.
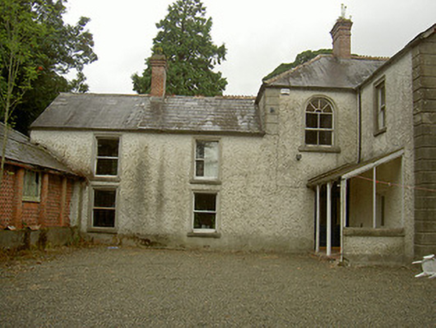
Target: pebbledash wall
{"type": "Point", "coordinates": [263, 201]}
{"type": "Point", "coordinates": [51, 210]}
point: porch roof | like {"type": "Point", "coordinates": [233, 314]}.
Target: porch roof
{"type": "Point", "coordinates": [19, 149]}
{"type": "Point", "coordinates": [351, 170]}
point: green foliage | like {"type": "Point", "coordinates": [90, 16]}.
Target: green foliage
{"type": "Point", "coordinates": [54, 50]}
{"type": "Point", "coordinates": [184, 37]}
{"type": "Point", "coordinates": [301, 58]}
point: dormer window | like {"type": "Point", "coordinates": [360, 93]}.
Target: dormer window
{"type": "Point", "coordinates": [319, 123]}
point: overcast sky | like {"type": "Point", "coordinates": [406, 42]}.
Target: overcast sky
{"type": "Point", "coordinates": [259, 35]}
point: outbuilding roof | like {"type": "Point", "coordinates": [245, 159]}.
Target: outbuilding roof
{"type": "Point", "coordinates": [327, 71]}
{"type": "Point", "coordinates": [174, 114]}
{"type": "Point", "coordinates": [20, 150]}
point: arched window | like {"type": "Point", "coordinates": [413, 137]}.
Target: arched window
{"type": "Point", "coordinates": [319, 122]}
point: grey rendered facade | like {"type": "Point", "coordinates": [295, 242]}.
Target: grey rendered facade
{"type": "Point", "coordinates": [336, 155]}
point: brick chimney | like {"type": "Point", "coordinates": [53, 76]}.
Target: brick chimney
{"type": "Point", "coordinates": [341, 35]}
{"type": "Point", "coordinates": [158, 75]}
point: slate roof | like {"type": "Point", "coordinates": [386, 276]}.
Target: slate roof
{"type": "Point", "coordinates": [141, 113]}
{"type": "Point", "coordinates": [326, 71]}
{"type": "Point", "coordinates": [19, 149]}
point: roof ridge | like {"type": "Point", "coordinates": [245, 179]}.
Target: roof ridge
{"type": "Point", "coordinates": [366, 57]}
{"type": "Point", "coordinates": [317, 57]}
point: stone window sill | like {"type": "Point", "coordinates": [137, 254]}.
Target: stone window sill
{"type": "Point", "coordinates": [379, 132]}
{"type": "Point", "coordinates": [204, 234]}
{"type": "Point", "coordinates": [374, 232]}
{"type": "Point", "coordinates": [320, 149]}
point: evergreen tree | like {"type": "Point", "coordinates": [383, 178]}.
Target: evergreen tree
{"type": "Point", "coordinates": [184, 38]}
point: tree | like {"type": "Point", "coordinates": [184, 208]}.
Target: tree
{"type": "Point", "coordinates": [301, 58]}
{"type": "Point", "coordinates": [36, 49]}
{"type": "Point", "coordinates": [65, 47]}
{"type": "Point", "coordinates": [18, 60]}
{"type": "Point", "coordinates": [184, 38]}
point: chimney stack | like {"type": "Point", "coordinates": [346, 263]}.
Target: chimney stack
{"type": "Point", "coordinates": [341, 35]}
{"type": "Point", "coordinates": [158, 64]}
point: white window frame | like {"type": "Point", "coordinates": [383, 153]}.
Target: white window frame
{"type": "Point", "coordinates": [29, 174]}
{"type": "Point", "coordinates": [380, 106]}
{"type": "Point", "coordinates": [215, 212]}
{"type": "Point", "coordinates": [318, 128]}
{"type": "Point", "coordinates": [196, 160]}
{"type": "Point", "coordinates": [97, 157]}
{"type": "Point", "coordinates": [93, 189]}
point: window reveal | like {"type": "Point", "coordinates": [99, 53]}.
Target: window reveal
{"type": "Point", "coordinates": [204, 211]}
{"type": "Point", "coordinates": [31, 186]}
{"type": "Point", "coordinates": [206, 159]}
{"type": "Point", "coordinates": [103, 212]}
{"type": "Point", "coordinates": [319, 123]}
{"type": "Point", "coordinates": [107, 157]}
{"type": "Point", "coordinates": [380, 106]}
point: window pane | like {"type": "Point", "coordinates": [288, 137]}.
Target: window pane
{"type": "Point", "coordinates": [205, 202]}
{"type": "Point", "coordinates": [104, 198]}
{"type": "Point", "coordinates": [107, 166]}
{"type": "Point", "coordinates": [31, 184]}
{"type": "Point", "coordinates": [104, 218]}
{"type": "Point", "coordinates": [199, 168]}
{"type": "Point", "coordinates": [204, 220]}
{"type": "Point", "coordinates": [325, 137]}
{"type": "Point", "coordinates": [206, 164]}
{"type": "Point", "coordinates": [200, 149]}
{"type": "Point", "coordinates": [107, 147]}
{"type": "Point", "coordinates": [381, 119]}
{"type": "Point", "coordinates": [326, 121]}
{"type": "Point", "coordinates": [382, 94]}
{"type": "Point", "coordinates": [311, 120]}
{"type": "Point", "coordinates": [311, 137]}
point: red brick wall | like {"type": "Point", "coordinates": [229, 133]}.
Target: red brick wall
{"type": "Point", "coordinates": [7, 197]}
{"type": "Point", "coordinates": [54, 214]}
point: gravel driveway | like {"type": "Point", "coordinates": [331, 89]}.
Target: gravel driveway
{"type": "Point", "coordinates": [134, 287]}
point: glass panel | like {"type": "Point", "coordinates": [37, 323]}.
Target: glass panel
{"type": "Point", "coordinates": [325, 138]}
{"type": "Point", "coordinates": [204, 220]}
{"type": "Point", "coordinates": [104, 218]}
{"type": "Point", "coordinates": [326, 121]}
{"type": "Point", "coordinates": [107, 166]}
{"type": "Point", "coordinates": [207, 150]}
{"type": "Point", "coordinates": [31, 184]}
{"type": "Point", "coordinates": [200, 149]}
{"type": "Point", "coordinates": [381, 119]}
{"type": "Point", "coordinates": [311, 137]}
{"type": "Point", "coordinates": [311, 120]}
{"type": "Point", "coordinates": [205, 202]}
{"type": "Point", "coordinates": [199, 168]}
{"type": "Point", "coordinates": [107, 147]}
{"type": "Point", "coordinates": [382, 95]}
{"type": "Point", "coordinates": [104, 198]}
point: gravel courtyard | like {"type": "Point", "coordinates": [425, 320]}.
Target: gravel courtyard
{"type": "Point", "coordinates": [134, 287]}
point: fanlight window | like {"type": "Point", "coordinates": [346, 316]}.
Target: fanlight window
{"type": "Point", "coordinates": [319, 123]}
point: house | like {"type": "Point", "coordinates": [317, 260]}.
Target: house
{"type": "Point", "coordinates": [37, 191]}
{"type": "Point", "coordinates": [336, 155]}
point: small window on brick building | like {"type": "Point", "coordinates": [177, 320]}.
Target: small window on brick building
{"type": "Point", "coordinates": [107, 157]}
{"type": "Point", "coordinates": [319, 123]}
{"type": "Point", "coordinates": [104, 208]}
{"type": "Point", "coordinates": [31, 186]}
